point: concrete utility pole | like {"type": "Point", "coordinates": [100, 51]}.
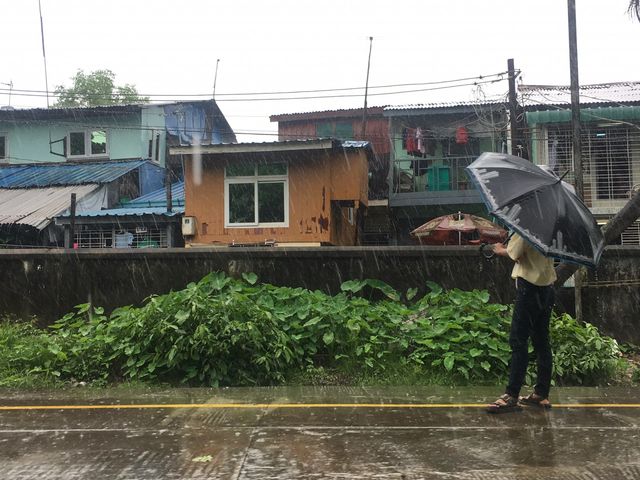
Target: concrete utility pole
{"type": "Point", "coordinates": [575, 100]}
{"type": "Point", "coordinates": [577, 134]}
{"type": "Point", "coordinates": [513, 105]}
{"type": "Point", "coordinates": [366, 92]}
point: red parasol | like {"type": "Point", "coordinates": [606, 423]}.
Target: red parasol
{"type": "Point", "coordinates": [459, 229]}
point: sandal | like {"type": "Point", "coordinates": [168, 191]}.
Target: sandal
{"type": "Point", "coordinates": [505, 404]}
{"type": "Point", "coordinates": [535, 400]}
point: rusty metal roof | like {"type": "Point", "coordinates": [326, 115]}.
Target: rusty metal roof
{"type": "Point", "coordinates": [326, 114]}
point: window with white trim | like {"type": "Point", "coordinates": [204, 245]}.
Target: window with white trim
{"type": "Point", "coordinates": [4, 150]}
{"type": "Point", "coordinates": [87, 143]}
{"type": "Point", "coordinates": [256, 195]}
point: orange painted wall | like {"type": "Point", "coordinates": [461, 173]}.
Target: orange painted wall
{"type": "Point", "coordinates": [315, 179]}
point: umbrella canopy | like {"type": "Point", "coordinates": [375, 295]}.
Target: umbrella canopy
{"type": "Point", "coordinates": [459, 229]}
{"type": "Point", "coordinates": [539, 206]}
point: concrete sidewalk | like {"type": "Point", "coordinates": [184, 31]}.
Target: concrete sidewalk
{"type": "Point", "coordinates": [322, 432]}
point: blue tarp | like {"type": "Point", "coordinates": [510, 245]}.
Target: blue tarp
{"type": "Point", "coordinates": [189, 123]}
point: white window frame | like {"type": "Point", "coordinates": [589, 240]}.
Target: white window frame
{"type": "Point", "coordinates": [256, 179]}
{"type": "Point", "coordinates": [155, 142]}
{"type": "Point", "coordinates": [5, 158]}
{"type": "Point", "coordinates": [87, 143]}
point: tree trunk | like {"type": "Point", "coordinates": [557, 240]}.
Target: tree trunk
{"type": "Point", "coordinates": [611, 231]}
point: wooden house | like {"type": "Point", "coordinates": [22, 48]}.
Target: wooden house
{"type": "Point", "coordinates": [303, 192]}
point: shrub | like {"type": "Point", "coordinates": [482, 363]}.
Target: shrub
{"type": "Point", "coordinates": [224, 331]}
{"type": "Point", "coordinates": [581, 354]}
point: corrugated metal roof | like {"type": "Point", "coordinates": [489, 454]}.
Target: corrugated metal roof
{"type": "Point", "coordinates": [75, 112]}
{"type": "Point", "coordinates": [439, 105]}
{"type": "Point", "coordinates": [59, 174]}
{"type": "Point", "coordinates": [153, 203]}
{"type": "Point", "coordinates": [326, 114]}
{"type": "Point", "coordinates": [158, 198]}
{"type": "Point", "coordinates": [613, 94]}
{"type": "Point", "coordinates": [355, 144]}
{"type": "Point", "coordinates": [131, 212]}
{"type": "Point", "coordinates": [260, 147]}
{"type": "Point", "coordinates": [82, 112]}
{"type": "Point", "coordinates": [37, 206]}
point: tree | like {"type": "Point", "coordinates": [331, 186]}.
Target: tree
{"type": "Point", "coordinates": [611, 231]}
{"type": "Point", "coordinates": [634, 8]}
{"type": "Point", "coordinates": [96, 88]}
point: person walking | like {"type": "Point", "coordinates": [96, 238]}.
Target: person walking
{"type": "Point", "coordinates": [534, 275]}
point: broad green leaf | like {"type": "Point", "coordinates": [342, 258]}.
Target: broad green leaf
{"type": "Point", "coordinates": [449, 360]}
{"type": "Point", "coordinates": [312, 321]}
{"type": "Point", "coordinates": [411, 293]}
{"type": "Point", "coordinates": [327, 338]}
{"type": "Point", "coordinates": [384, 288]}
{"type": "Point", "coordinates": [250, 278]}
{"type": "Point", "coordinates": [353, 286]}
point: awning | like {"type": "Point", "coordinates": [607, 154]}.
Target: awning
{"type": "Point", "coordinates": [603, 114]}
{"type": "Point", "coordinates": [37, 206]}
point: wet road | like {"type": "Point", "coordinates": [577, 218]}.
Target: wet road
{"type": "Point", "coordinates": [316, 433]}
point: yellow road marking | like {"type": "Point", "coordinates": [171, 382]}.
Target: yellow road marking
{"type": "Point", "coordinates": [293, 405]}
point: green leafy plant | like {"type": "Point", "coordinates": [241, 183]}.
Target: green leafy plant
{"type": "Point", "coordinates": [461, 332]}
{"type": "Point", "coordinates": [226, 331]}
{"type": "Point", "coordinates": [581, 354]}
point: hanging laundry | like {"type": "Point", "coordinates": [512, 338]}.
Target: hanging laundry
{"type": "Point", "coordinates": [420, 141]}
{"type": "Point", "coordinates": [411, 144]}
{"type": "Point", "coordinates": [462, 135]}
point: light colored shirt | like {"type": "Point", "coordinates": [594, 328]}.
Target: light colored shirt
{"type": "Point", "coordinates": [530, 263]}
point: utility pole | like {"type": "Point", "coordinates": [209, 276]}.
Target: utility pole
{"type": "Point", "coordinates": [513, 104]}
{"type": "Point", "coordinates": [44, 57]}
{"type": "Point", "coordinates": [575, 100]}
{"type": "Point", "coordinates": [366, 92]}
{"type": "Point", "coordinates": [577, 143]}
{"type": "Point", "coordinates": [215, 79]}
{"type": "Point", "coordinates": [72, 222]}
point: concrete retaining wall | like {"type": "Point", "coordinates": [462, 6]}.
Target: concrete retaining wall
{"type": "Point", "coordinates": [49, 283]}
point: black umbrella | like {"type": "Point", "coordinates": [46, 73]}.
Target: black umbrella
{"type": "Point", "coordinates": [539, 206]}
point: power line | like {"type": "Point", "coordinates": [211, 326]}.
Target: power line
{"type": "Point", "coordinates": [292, 92]}
{"type": "Point", "coordinates": [310, 97]}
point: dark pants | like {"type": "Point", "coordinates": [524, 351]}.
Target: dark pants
{"type": "Point", "coordinates": [531, 315]}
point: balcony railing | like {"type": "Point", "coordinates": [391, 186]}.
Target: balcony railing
{"type": "Point", "coordinates": [444, 174]}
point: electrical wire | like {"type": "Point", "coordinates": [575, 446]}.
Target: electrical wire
{"type": "Point", "coordinates": [292, 92]}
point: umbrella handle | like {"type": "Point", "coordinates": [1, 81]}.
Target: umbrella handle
{"type": "Point", "coordinates": [487, 250]}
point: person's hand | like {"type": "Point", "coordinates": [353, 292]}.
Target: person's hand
{"type": "Point", "coordinates": [500, 249]}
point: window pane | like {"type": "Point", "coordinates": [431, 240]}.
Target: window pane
{"type": "Point", "coordinates": [272, 169]}
{"type": "Point", "coordinates": [271, 202]}
{"type": "Point", "coordinates": [344, 131]}
{"type": "Point", "coordinates": [98, 142]}
{"type": "Point", "coordinates": [241, 203]}
{"type": "Point", "coordinates": [3, 148]}
{"type": "Point", "coordinates": [324, 130]}
{"type": "Point", "coordinates": [76, 143]}
{"type": "Point", "coordinates": [240, 170]}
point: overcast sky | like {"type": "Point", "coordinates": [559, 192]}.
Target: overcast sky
{"type": "Point", "coordinates": [170, 48]}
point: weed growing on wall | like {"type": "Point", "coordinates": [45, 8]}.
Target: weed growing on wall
{"type": "Point", "coordinates": [224, 331]}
